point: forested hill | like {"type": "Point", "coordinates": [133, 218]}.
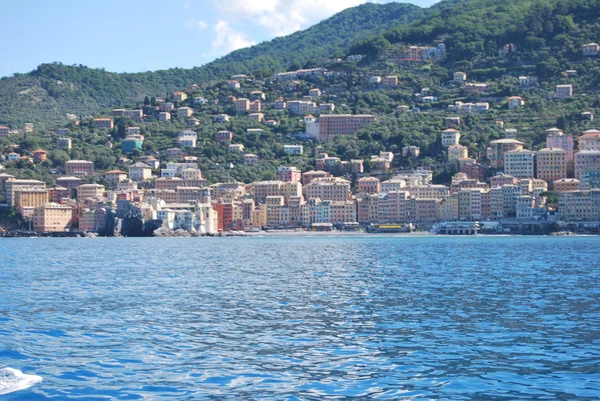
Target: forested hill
{"type": "Point", "coordinates": [474, 30]}
{"type": "Point", "coordinates": [48, 93]}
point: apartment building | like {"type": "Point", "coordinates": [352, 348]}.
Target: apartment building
{"type": "Point", "coordinates": [52, 217]}
{"type": "Point", "coordinates": [261, 190]}
{"type": "Point", "coordinates": [332, 188]}
{"type": "Point", "coordinates": [564, 91]}
{"type": "Point", "coordinates": [289, 174]}
{"type": "Point", "coordinates": [370, 185]}
{"type": "Point", "coordinates": [499, 147]}
{"type": "Point", "coordinates": [90, 191]}
{"type": "Point", "coordinates": [139, 172]}
{"type": "Point", "coordinates": [311, 175]}
{"type": "Point", "coordinates": [584, 160]}
{"type": "Point", "coordinates": [185, 112]}
{"type": "Point", "coordinates": [79, 168]}
{"type": "Point", "coordinates": [556, 138]}
{"type": "Point", "coordinates": [332, 125]}
{"type": "Point", "coordinates": [590, 140]}
{"type": "Point", "coordinates": [242, 106]}
{"type": "Point", "coordinates": [566, 185]}
{"type": "Point", "coordinates": [551, 164]}
{"type": "Point", "coordinates": [519, 163]}
{"type": "Point", "coordinates": [579, 205]}
{"type": "Point", "coordinates": [450, 137]}
{"type": "Point", "coordinates": [103, 123]}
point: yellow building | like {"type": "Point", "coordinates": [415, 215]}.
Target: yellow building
{"type": "Point", "coordinates": [456, 152]}
{"type": "Point", "coordinates": [332, 188]}
{"type": "Point", "coordinates": [179, 96]}
{"type": "Point", "coordinates": [52, 217]}
{"type": "Point", "coordinates": [343, 211]}
{"type": "Point", "coordinates": [261, 190]}
{"type": "Point", "coordinates": [27, 199]}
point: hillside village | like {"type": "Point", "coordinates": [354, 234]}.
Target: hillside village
{"type": "Point", "coordinates": [403, 139]}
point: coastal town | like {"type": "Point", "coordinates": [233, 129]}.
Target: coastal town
{"type": "Point", "coordinates": [507, 188]}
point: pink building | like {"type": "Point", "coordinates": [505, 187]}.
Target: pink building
{"type": "Point", "coordinates": [309, 176]}
{"type": "Point", "coordinates": [501, 180]}
{"type": "Point", "coordinates": [555, 138]}
{"type": "Point", "coordinates": [584, 160]}
{"type": "Point", "coordinates": [289, 174]}
{"type": "Point", "coordinates": [331, 125]}
{"type": "Point", "coordinates": [370, 185]}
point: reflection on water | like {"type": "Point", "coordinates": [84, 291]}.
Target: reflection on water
{"type": "Point", "coordinates": [303, 318]}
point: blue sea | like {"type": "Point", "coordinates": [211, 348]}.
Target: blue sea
{"type": "Point", "coordinates": [300, 318]}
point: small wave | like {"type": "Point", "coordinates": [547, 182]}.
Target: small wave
{"type": "Point", "coordinates": [12, 380]}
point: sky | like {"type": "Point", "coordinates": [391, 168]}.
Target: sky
{"type": "Point", "coordinates": [148, 35]}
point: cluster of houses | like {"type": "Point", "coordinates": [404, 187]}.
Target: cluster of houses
{"type": "Point", "coordinates": [176, 194]}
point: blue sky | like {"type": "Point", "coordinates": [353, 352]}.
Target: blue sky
{"type": "Point", "coordinates": [147, 35]}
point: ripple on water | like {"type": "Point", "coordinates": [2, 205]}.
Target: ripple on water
{"type": "Point", "coordinates": [303, 318]}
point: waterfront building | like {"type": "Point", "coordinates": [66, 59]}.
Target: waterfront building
{"type": "Point", "coordinates": [52, 217]}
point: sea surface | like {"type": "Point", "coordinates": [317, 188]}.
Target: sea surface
{"type": "Point", "coordinates": [300, 318]}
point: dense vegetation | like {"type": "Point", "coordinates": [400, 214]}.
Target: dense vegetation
{"type": "Point", "coordinates": [548, 35]}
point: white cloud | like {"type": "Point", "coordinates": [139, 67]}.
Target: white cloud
{"type": "Point", "coordinates": [186, 5]}
{"type": "Point", "coordinates": [228, 39]}
{"type": "Point", "coordinates": [194, 23]}
{"type": "Point", "coordinates": [282, 17]}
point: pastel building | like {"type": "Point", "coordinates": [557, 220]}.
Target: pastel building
{"type": "Point", "coordinates": [564, 91]}
{"type": "Point", "coordinates": [332, 125]}
{"type": "Point", "coordinates": [585, 160]}
{"type": "Point", "coordinates": [293, 149]}
{"type": "Point", "coordinates": [556, 138]}
{"type": "Point", "coordinates": [140, 172]}
{"type": "Point", "coordinates": [515, 102]}
{"type": "Point", "coordinates": [590, 140]}
{"type": "Point", "coordinates": [79, 168]}
{"type": "Point", "coordinates": [334, 189]}
{"type": "Point", "coordinates": [498, 148]}
{"type": "Point", "coordinates": [456, 152]}
{"type": "Point", "coordinates": [52, 217]}
{"type": "Point", "coordinates": [450, 137]}
{"type": "Point", "coordinates": [106, 123]}
{"type": "Point", "coordinates": [566, 184]}
{"type": "Point", "coordinates": [90, 191]}
{"type": "Point", "coordinates": [519, 163]}
{"type": "Point", "coordinates": [289, 174]}
{"type": "Point", "coordinates": [551, 164]}
{"type": "Point", "coordinates": [242, 105]}
{"type": "Point", "coordinates": [184, 112]}
{"type": "Point", "coordinates": [370, 185]}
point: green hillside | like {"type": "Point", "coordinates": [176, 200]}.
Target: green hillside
{"type": "Point", "coordinates": [48, 93]}
{"type": "Point", "coordinates": [547, 36]}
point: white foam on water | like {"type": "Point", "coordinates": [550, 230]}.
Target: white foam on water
{"type": "Point", "coordinates": [12, 380]}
